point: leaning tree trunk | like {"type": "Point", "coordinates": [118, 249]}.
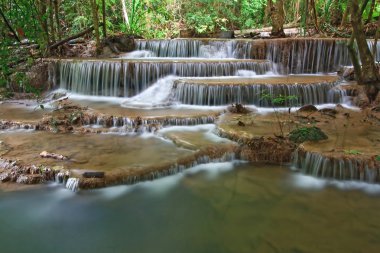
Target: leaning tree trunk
{"type": "Point", "coordinates": [312, 2]}
{"type": "Point", "coordinates": [278, 18]}
{"type": "Point", "coordinates": [369, 73]}
{"type": "Point", "coordinates": [95, 20]}
{"type": "Point", "coordinates": [9, 26]}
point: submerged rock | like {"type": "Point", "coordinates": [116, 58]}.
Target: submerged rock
{"type": "Point", "coordinates": [45, 154]}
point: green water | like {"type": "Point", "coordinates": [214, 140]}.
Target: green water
{"type": "Point", "coordinates": [212, 208]}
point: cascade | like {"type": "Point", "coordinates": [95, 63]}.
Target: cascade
{"type": "Point", "coordinates": [240, 49]}
{"type": "Point", "coordinates": [292, 55]}
{"type": "Point", "coordinates": [147, 174]}
{"type": "Point", "coordinates": [73, 184]}
{"type": "Point", "coordinates": [127, 78]}
{"type": "Point", "coordinates": [127, 124]}
{"type": "Point", "coordinates": [251, 91]}
{"type": "Point", "coordinates": [295, 56]}
{"type": "Point", "coordinates": [335, 167]}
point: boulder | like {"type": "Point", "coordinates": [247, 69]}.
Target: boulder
{"type": "Point", "coordinates": [308, 108]}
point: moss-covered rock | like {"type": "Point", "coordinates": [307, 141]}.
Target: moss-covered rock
{"type": "Point", "coordinates": [303, 134]}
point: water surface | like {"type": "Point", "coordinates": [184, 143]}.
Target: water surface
{"type": "Point", "coordinates": [211, 208]}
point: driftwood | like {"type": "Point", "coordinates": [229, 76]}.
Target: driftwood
{"type": "Point", "coordinates": [57, 44]}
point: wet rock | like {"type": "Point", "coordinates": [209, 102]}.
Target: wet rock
{"type": "Point", "coordinates": [329, 112]}
{"type": "Point", "coordinates": [30, 179]}
{"type": "Point", "coordinates": [120, 43]}
{"type": "Point", "coordinates": [238, 108]}
{"type": "Point", "coordinates": [5, 177]}
{"type": "Point", "coordinates": [308, 108]}
{"type": "Point", "coordinates": [45, 154]}
{"type": "Point", "coordinates": [93, 174]}
{"type": "Point", "coordinates": [240, 123]}
{"type": "Point", "coordinates": [361, 100]}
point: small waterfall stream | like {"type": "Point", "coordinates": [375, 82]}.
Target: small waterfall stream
{"type": "Point", "coordinates": [203, 94]}
{"type": "Point", "coordinates": [339, 168]}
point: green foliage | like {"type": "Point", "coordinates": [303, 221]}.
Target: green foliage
{"type": "Point", "coordinates": [279, 100]}
{"type": "Point", "coordinates": [352, 152]}
{"type": "Point", "coordinates": [136, 17]}
{"type": "Point", "coordinates": [377, 158]}
{"type": "Point", "coordinates": [252, 13]}
{"type": "Point", "coordinates": [208, 16]}
{"type": "Point", "coordinates": [303, 134]}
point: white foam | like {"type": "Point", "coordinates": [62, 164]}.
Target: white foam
{"type": "Point", "coordinates": [308, 182]}
{"type": "Point", "coordinates": [195, 128]}
{"type": "Point", "coordinates": [246, 73]}
{"type": "Point", "coordinates": [138, 54]}
{"type": "Point", "coordinates": [312, 183]}
{"type": "Point", "coordinates": [155, 96]}
{"type": "Point", "coordinates": [212, 170]}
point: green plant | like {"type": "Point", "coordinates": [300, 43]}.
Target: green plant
{"type": "Point", "coordinates": [303, 134]}
{"type": "Point", "coordinates": [54, 124]}
{"type": "Point", "coordinates": [279, 100]}
{"type": "Point", "coordinates": [377, 158]}
{"type": "Point", "coordinates": [352, 152]}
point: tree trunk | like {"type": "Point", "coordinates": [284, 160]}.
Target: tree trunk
{"type": "Point", "coordinates": [43, 20]}
{"type": "Point", "coordinates": [335, 13]}
{"type": "Point", "coordinates": [104, 18]}
{"type": "Point", "coordinates": [369, 73]}
{"type": "Point", "coordinates": [9, 26]}
{"type": "Point", "coordinates": [371, 11]}
{"type": "Point", "coordinates": [56, 14]}
{"type": "Point", "coordinates": [312, 2]}
{"type": "Point", "coordinates": [377, 35]}
{"type": "Point", "coordinates": [51, 20]}
{"type": "Point", "coordinates": [95, 20]}
{"type": "Point", "coordinates": [58, 43]}
{"type": "Point", "coordinates": [125, 13]}
{"type": "Point", "coordinates": [345, 15]}
{"type": "Point", "coordinates": [278, 18]}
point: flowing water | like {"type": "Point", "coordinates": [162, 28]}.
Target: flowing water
{"type": "Point", "coordinates": [210, 208]}
{"type": "Point", "coordinates": [183, 85]}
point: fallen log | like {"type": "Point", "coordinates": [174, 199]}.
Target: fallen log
{"type": "Point", "coordinates": [75, 36]}
{"type": "Point", "coordinates": [93, 174]}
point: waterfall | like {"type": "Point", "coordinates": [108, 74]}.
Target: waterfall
{"type": "Point", "coordinates": [295, 56]}
{"type": "Point", "coordinates": [252, 94]}
{"type": "Point", "coordinates": [126, 124]}
{"type": "Point", "coordinates": [73, 184]}
{"type": "Point", "coordinates": [90, 77]}
{"type": "Point", "coordinates": [127, 78]}
{"type": "Point", "coordinates": [240, 49]}
{"type": "Point", "coordinates": [332, 167]}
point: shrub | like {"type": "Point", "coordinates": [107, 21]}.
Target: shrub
{"type": "Point", "coordinates": [303, 134]}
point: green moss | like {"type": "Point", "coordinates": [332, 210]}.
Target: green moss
{"type": "Point", "coordinates": [303, 134]}
{"type": "Point", "coordinates": [352, 152]}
